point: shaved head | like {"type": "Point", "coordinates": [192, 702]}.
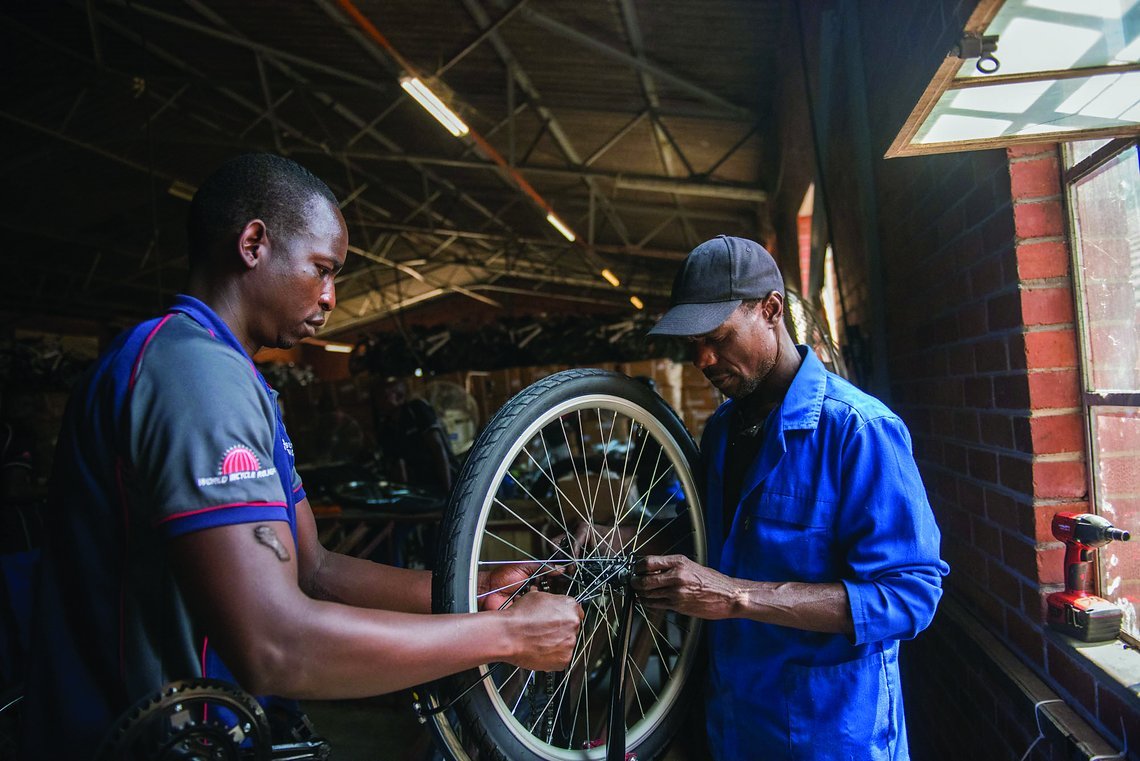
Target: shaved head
{"type": "Point", "coordinates": [278, 191]}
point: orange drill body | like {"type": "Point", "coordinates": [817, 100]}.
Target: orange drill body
{"type": "Point", "coordinates": [1077, 611]}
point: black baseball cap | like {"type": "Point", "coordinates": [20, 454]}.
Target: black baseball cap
{"type": "Point", "coordinates": [714, 279]}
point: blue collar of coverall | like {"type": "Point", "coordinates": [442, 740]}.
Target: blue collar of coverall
{"type": "Point", "coordinates": [802, 404]}
{"type": "Point", "coordinates": [800, 408]}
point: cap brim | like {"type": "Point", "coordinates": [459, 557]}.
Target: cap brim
{"type": "Point", "coordinates": [694, 319]}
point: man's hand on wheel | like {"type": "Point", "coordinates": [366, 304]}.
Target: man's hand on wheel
{"type": "Point", "coordinates": [678, 583]}
{"type": "Point", "coordinates": [502, 584]}
{"type": "Point", "coordinates": [544, 628]}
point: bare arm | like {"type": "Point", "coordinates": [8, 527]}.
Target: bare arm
{"type": "Point", "coordinates": [277, 639]}
{"type": "Point", "coordinates": [340, 578]}
{"type": "Point", "coordinates": [678, 583]}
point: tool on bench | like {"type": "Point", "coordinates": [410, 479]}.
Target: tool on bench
{"type": "Point", "coordinates": [1077, 611]}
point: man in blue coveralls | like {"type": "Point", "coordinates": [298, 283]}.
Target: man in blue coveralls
{"type": "Point", "coordinates": [180, 541]}
{"type": "Point", "coordinates": [823, 553]}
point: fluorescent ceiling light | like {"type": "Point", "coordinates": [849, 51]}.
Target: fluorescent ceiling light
{"type": "Point", "coordinates": [561, 227]}
{"type": "Point", "coordinates": [611, 278]}
{"type": "Point", "coordinates": [434, 106]}
{"type": "Point", "coordinates": [183, 190]}
{"type": "Point", "coordinates": [339, 348]}
{"type": "Point", "coordinates": [636, 302]}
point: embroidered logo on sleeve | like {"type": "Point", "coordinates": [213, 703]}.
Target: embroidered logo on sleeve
{"type": "Point", "coordinates": [237, 464]}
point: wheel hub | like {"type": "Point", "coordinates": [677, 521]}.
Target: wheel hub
{"type": "Point", "coordinates": [599, 574]}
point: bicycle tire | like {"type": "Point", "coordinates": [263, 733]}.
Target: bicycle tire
{"type": "Point", "coordinates": [626, 415]}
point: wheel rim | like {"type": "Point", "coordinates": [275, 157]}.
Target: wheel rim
{"type": "Point", "coordinates": [628, 470]}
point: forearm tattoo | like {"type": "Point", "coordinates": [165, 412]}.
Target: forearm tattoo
{"type": "Point", "coordinates": [267, 536]}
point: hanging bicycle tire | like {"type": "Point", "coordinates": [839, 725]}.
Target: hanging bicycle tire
{"type": "Point", "coordinates": [575, 477]}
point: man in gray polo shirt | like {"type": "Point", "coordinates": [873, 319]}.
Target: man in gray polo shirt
{"type": "Point", "coordinates": [180, 541]}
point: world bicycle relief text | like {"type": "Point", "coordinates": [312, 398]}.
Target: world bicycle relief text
{"type": "Point", "coordinates": [241, 476]}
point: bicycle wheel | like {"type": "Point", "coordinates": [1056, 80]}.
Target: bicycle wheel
{"type": "Point", "coordinates": [599, 455]}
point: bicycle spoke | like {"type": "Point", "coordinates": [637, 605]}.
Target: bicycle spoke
{"type": "Point", "coordinates": [574, 465]}
{"type": "Point", "coordinates": [522, 692]}
{"type": "Point", "coordinates": [637, 546]}
{"type": "Point", "coordinates": [512, 545]}
{"type": "Point", "coordinates": [623, 491]}
{"type": "Point", "coordinates": [519, 584]}
{"type": "Point", "coordinates": [605, 472]}
{"type": "Point", "coordinates": [557, 491]}
{"type": "Point", "coordinates": [538, 533]}
{"type": "Point", "coordinates": [654, 636]}
{"type": "Point", "coordinates": [542, 506]}
{"type": "Point", "coordinates": [549, 473]}
{"type": "Point", "coordinates": [636, 692]}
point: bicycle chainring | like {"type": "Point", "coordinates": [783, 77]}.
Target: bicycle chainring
{"type": "Point", "coordinates": [192, 720]}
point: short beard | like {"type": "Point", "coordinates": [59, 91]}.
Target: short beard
{"type": "Point", "coordinates": [749, 385]}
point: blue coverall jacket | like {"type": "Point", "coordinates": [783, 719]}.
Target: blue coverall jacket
{"type": "Point", "coordinates": [834, 495]}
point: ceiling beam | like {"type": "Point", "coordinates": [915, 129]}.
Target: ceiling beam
{"type": "Point", "coordinates": [663, 139]}
{"type": "Point", "coordinates": [699, 186]}
{"type": "Point", "coordinates": [514, 69]}
{"type": "Point", "coordinates": [726, 191]}
{"type": "Point", "coordinates": [114, 157]}
{"type": "Point", "coordinates": [256, 47]}
{"type": "Point", "coordinates": [640, 64]}
{"type": "Point", "coordinates": [619, 250]}
{"type": "Point", "coordinates": [487, 32]}
{"type": "Point", "coordinates": [425, 279]}
{"type": "Point", "coordinates": [390, 306]}
{"type": "Point", "coordinates": [614, 139]}
{"type": "Point", "coordinates": [356, 323]}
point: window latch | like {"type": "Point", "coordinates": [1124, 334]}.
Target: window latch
{"type": "Point", "coordinates": [980, 47]}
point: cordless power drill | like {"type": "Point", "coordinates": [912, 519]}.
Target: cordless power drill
{"type": "Point", "coordinates": [1077, 611]}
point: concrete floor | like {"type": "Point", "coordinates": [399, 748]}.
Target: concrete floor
{"type": "Point", "coordinates": [385, 729]}
{"type": "Point", "coordinates": [371, 729]}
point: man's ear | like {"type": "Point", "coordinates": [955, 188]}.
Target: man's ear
{"type": "Point", "coordinates": [253, 243]}
{"type": "Point", "coordinates": [773, 307]}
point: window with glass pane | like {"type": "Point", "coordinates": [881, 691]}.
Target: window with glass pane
{"type": "Point", "coordinates": [1106, 226]}
{"type": "Point", "coordinates": [1116, 472]}
{"type": "Point", "coordinates": [1081, 150]}
{"type": "Point", "coordinates": [1105, 210]}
